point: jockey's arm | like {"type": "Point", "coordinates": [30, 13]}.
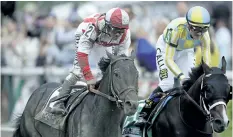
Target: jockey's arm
{"type": "Point", "coordinates": [172, 66]}
{"type": "Point", "coordinates": [124, 46]}
{"type": "Point", "coordinates": [84, 48]}
{"type": "Point", "coordinates": [171, 39]}
{"type": "Point", "coordinates": [205, 48]}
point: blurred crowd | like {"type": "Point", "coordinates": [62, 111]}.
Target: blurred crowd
{"type": "Point", "coordinates": [35, 37]}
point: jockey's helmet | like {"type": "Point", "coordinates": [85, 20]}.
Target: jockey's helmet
{"type": "Point", "coordinates": [198, 19]}
{"type": "Point", "coordinates": [117, 20]}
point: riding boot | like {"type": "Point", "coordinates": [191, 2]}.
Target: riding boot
{"type": "Point", "coordinates": [151, 102]}
{"type": "Point", "coordinates": [59, 105]}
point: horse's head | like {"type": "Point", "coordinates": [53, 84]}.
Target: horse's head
{"type": "Point", "coordinates": [123, 82]}
{"type": "Point", "coordinates": [215, 93]}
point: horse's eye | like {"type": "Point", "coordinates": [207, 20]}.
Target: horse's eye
{"type": "Point", "coordinates": [116, 74]}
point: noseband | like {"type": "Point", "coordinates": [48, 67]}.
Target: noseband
{"type": "Point", "coordinates": [210, 106]}
{"type": "Point", "coordinates": [115, 97]}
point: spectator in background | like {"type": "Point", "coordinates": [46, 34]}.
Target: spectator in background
{"type": "Point", "coordinates": [20, 50]}
{"type": "Point", "coordinates": [159, 26]}
{"type": "Point", "coordinates": [221, 15]}
{"type": "Point", "coordinates": [144, 31]}
{"type": "Point", "coordinates": [223, 38]}
{"type": "Point", "coordinates": [181, 8]}
{"type": "Point", "coordinates": [48, 40]}
{"type": "Point", "coordinates": [11, 38]}
{"type": "Point", "coordinates": [49, 49]}
{"type": "Point", "coordinates": [65, 40]}
{"type": "Point", "coordinates": [221, 11]}
{"type": "Point", "coordinates": [133, 25]}
{"type": "Point", "coordinates": [30, 16]}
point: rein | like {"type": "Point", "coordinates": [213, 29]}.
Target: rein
{"type": "Point", "coordinates": [208, 119]}
{"type": "Point", "coordinates": [115, 97]}
{"type": "Point", "coordinates": [204, 111]}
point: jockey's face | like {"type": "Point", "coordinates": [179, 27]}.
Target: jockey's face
{"type": "Point", "coordinates": [195, 35]}
{"type": "Point", "coordinates": [197, 32]}
{"type": "Point", "coordinates": [115, 33]}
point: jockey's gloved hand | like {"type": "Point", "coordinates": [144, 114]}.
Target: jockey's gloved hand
{"type": "Point", "coordinates": [182, 81]}
{"type": "Point", "coordinates": [91, 83]}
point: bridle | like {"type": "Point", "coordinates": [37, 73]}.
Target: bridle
{"type": "Point", "coordinates": [202, 107]}
{"type": "Point", "coordinates": [206, 108]}
{"type": "Point", "coordinates": [115, 97]}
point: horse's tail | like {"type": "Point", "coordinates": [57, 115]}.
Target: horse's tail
{"type": "Point", "coordinates": [17, 131]}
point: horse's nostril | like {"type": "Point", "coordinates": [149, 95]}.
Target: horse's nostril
{"type": "Point", "coordinates": [128, 103]}
{"type": "Point", "coordinates": [228, 123]}
{"type": "Point", "coordinates": [218, 122]}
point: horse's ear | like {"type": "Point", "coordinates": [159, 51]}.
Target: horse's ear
{"type": "Point", "coordinates": [205, 67]}
{"type": "Point", "coordinates": [224, 64]}
{"type": "Point", "coordinates": [230, 93]}
{"type": "Point", "coordinates": [133, 54]}
{"type": "Point", "coordinates": [110, 56]}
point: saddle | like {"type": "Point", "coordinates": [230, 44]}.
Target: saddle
{"type": "Point", "coordinates": [129, 129]}
{"type": "Point", "coordinates": [58, 121]}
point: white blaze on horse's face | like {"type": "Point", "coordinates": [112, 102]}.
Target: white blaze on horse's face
{"type": "Point", "coordinates": [224, 116]}
{"type": "Point", "coordinates": [221, 120]}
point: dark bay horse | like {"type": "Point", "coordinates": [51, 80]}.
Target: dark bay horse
{"type": "Point", "coordinates": [200, 110]}
{"type": "Point", "coordinates": [95, 116]}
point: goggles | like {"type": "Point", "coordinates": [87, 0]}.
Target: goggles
{"type": "Point", "coordinates": [199, 29]}
{"type": "Point", "coordinates": [115, 30]}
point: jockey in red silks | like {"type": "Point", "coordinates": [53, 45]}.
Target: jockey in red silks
{"type": "Point", "coordinates": [96, 34]}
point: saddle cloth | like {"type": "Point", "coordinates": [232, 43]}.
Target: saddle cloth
{"type": "Point", "coordinates": [58, 121]}
{"type": "Point", "coordinates": [129, 129]}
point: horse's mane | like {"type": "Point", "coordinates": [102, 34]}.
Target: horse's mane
{"type": "Point", "coordinates": [194, 75]}
{"type": "Point", "coordinates": [104, 62]}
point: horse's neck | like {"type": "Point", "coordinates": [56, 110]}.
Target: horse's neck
{"type": "Point", "coordinates": [107, 116]}
{"type": "Point", "coordinates": [100, 118]}
{"type": "Point", "coordinates": [195, 91]}
{"type": "Point", "coordinates": [190, 112]}
{"type": "Point", "coordinates": [109, 111]}
{"type": "Point", "coordinates": [104, 85]}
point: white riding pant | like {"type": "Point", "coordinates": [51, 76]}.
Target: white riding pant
{"type": "Point", "coordinates": [185, 59]}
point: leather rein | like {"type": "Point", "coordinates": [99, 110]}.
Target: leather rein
{"type": "Point", "coordinates": [115, 97]}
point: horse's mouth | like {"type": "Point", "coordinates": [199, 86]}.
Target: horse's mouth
{"type": "Point", "coordinates": [219, 127]}
{"type": "Point", "coordinates": [130, 108]}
